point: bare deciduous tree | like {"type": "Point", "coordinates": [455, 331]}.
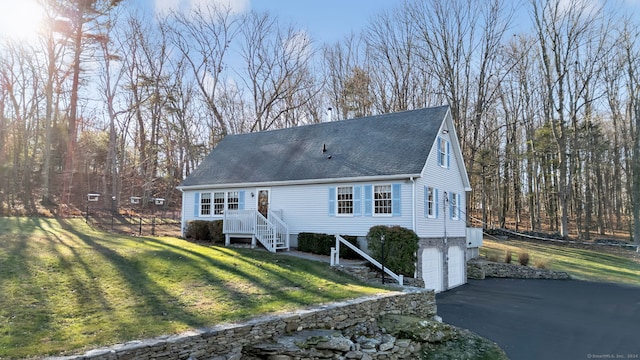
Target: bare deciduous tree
{"type": "Point", "coordinates": [277, 76]}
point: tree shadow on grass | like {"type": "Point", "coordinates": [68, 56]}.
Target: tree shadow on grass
{"type": "Point", "coordinates": [155, 299]}
{"type": "Point", "coordinates": [86, 292]}
{"type": "Point", "coordinates": [23, 303]}
{"type": "Point", "coordinates": [158, 301]}
{"type": "Point", "coordinates": [253, 268]}
{"type": "Point", "coordinates": [282, 281]}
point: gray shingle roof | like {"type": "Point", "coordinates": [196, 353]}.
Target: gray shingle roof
{"type": "Point", "coordinates": [389, 144]}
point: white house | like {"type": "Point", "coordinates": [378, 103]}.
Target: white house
{"type": "Point", "coordinates": [343, 177]}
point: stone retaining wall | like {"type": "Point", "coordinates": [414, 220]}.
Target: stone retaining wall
{"type": "Point", "coordinates": [366, 274]}
{"type": "Point", "coordinates": [226, 342]}
{"type": "Point", "coordinates": [480, 268]}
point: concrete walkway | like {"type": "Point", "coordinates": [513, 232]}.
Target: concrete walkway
{"type": "Point", "coordinates": [321, 258]}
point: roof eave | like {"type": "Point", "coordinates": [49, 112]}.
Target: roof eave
{"type": "Point", "coordinates": [300, 182]}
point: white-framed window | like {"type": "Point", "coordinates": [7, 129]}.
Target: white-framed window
{"type": "Point", "coordinates": [205, 204]}
{"type": "Point", "coordinates": [345, 200]}
{"type": "Point", "coordinates": [233, 200]}
{"type": "Point", "coordinates": [454, 203]}
{"type": "Point", "coordinates": [218, 203]}
{"type": "Point", "coordinates": [443, 152]}
{"type": "Point", "coordinates": [431, 202]}
{"type": "Point", "coordinates": [215, 203]}
{"type": "Point", "coordinates": [382, 204]}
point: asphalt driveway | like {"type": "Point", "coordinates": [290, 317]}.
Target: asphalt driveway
{"type": "Point", "coordinates": [549, 319]}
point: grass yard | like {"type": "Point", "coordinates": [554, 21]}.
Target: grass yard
{"type": "Point", "coordinates": [66, 287]}
{"type": "Point", "coordinates": [608, 264]}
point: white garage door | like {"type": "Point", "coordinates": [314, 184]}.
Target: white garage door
{"type": "Point", "coordinates": [432, 269]}
{"type": "Point", "coordinates": [455, 266]}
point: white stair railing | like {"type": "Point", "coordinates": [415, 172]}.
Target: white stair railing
{"type": "Point", "coordinates": [281, 230]}
{"type": "Point", "coordinates": [273, 233]}
{"type": "Point", "coordinates": [335, 258]}
{"type": "Point", "coordinates": [265, 232]}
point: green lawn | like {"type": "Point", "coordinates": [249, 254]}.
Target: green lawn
{"type": "Point", "coordinates": [607, 264]}
{"type": "Point", "coordinates": [66, 287]}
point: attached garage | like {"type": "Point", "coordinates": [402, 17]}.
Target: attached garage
{"type": "Point", "coordinates": [455, 266]}
{"type": "Point", "coordinates": [432, 269]}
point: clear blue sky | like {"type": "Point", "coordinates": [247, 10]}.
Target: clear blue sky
{"type": "Point", "coordinates": [324, 20]}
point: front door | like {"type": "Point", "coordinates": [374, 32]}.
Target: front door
{"type": "Point", "coordinates": [263, 201]}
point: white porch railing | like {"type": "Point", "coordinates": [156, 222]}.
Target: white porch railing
{"type": "Point", "coordinates": [272, 233]}
{"type": "Point", "coordinates": [335, 258]}
{"type": "Point", "coordinates": [239, 222]}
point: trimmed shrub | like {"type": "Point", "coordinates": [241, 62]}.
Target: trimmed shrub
{"type": "Point", "coordinates": [321, 244]}
{"type": "Point", "coordinates": [523, 259]}
{"type": "Point", "coordinates": [202, 230]}
{"type": "Point", "coordinates": [400, 247]}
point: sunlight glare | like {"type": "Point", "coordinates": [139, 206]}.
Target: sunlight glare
{"type": "Point", "coordinates": [20, 20]}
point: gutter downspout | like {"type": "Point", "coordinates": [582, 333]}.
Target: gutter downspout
{"type": "Point", "coordinates": [182, 214]}
{"type": "Point", "coordinates": [413, 203]}
{"type": "Point", "coordinates": [413, 219]}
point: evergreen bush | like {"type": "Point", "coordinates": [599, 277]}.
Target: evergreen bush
{"type": "Point", "coordinates": [321, 244]}
{"type": "Point", "coordinates": [400, 247]}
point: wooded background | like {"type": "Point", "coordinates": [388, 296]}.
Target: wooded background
{"type": "Point", "coordinates": [544, 95]}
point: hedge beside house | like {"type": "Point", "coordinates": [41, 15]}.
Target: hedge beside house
{"type": "Point", "coordinates": [321, 244]}
{"type": "Point", "coordinates": [400, 247]}
{"type": "Point", "coordinates": [202, 230]}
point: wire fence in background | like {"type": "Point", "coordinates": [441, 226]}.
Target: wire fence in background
{"type": "Point", "coordinates": [159, 223]}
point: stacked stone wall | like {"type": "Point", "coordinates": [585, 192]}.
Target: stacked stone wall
{"type": "Point", "coordinates": [226, 342]}
{"type": "Point", "coordinates": [480, 269]}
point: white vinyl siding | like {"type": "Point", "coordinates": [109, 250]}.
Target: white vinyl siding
{"type": "Point", "coordinates": [294, 202]}
{"type": "Point", "coordinates": [441, 179]}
